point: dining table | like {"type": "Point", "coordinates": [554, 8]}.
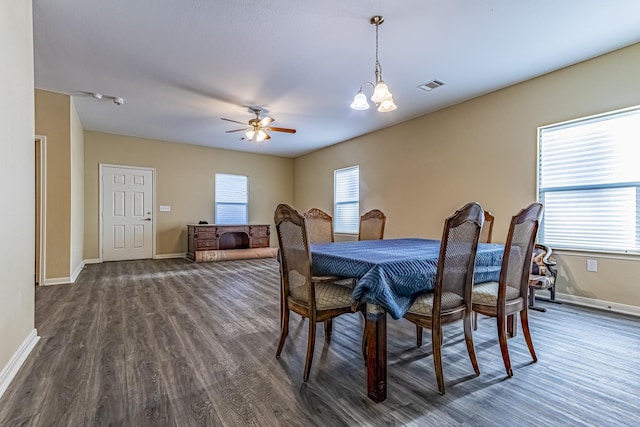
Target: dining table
{"type": "Point", "coordinates": [390, 274]}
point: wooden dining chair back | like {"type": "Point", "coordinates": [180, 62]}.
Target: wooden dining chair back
{"type": "Point", "coordinates": [487, 229]}
{"type": "Point", "coordinates": [319, 301]}
{"type": "Point", "coordinates": [372, 225]}
{"type": "Point", "coordinates": [509, 295]}
{"type": "Point", "coordinates": [319, 226]}
{"type": "Point", "coordinates": [451, 299]}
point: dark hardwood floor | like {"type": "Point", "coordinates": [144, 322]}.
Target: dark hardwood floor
{"type": "Point", "coordinates": [173, 343]}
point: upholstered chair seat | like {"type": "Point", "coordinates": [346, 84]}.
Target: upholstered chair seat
{"type": "Point", "coordinates": [328, 296]}
{"type": "Point", "coordinates": [423, 305]}
{"type": "Point", "coordinates": [487, 293]}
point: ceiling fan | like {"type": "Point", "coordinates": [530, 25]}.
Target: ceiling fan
{"type": "Point", "coordinates": [256, 129]}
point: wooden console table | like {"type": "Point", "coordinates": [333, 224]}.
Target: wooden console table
{"type": "Point", "coordinates": [204, 238]}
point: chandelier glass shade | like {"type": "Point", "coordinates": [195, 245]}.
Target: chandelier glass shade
{"type": "Point", "coordinates": [360, 101]}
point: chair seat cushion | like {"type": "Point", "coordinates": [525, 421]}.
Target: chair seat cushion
{"type": "Point", "coordinates": [325, 278]}
{"type": "Point", "coordinates": [487, 293]}
{"type": "Point", "coordinates": [423, 305]}
{"type": "Point", "coordinates": [328, 295]}
{"type": "Point", "coordinates": [343, 281]}
{"type": "Point", "coordinates": [541, 282]}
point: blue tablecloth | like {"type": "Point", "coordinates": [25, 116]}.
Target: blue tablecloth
{"type": "Point", "coordinates": [392, 272]}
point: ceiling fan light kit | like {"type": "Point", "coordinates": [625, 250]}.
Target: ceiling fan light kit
{"type": "Point", "coordinates": [382, 97]}
{"type": "Point", "coordinates": [256, 128]}
{"type": "Point", "coordinates": [259, 136]}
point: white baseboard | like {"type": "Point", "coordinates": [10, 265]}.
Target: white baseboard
{"type": "Point", "coordinates": [167, 256]}
{"type": "Point", "coordinates": [161, 256]}
{"type": "Point", "coordinates": [600, 304]}
{"type": "Point", "coordinates": [57, 281]}
{"type": "Point", "coordinates": [76, 273]}
{"type": "Point", "coordinates": [68, 280]}
{"type": "Point", "coordinates": [18, 359]}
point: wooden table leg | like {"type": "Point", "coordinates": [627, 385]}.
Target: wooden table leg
{"type": "Point", "coordinates": [376, 329]}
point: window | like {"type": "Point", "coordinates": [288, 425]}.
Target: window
{"type": "Point", "coordinates": [231, 199]}
{"type": "Point", "coordinates": [589, 183]}
{"type": "Point", "coordinates": [346, 200]}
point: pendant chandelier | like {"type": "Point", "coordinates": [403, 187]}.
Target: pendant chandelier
{"type": "Point", "coordinates": [381, 95]}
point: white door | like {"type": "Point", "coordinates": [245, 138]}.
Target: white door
{"type": "Point", "coordinates": [127, 213]}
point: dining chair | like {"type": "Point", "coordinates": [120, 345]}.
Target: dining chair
{"type": "Point", "coordinates": [371, 228]}
{"type": "Point", "coordinates": [319, 226]}
{"type": "Point", "coordinates": [508, 296]}
{"type": "Point", "coordinates": [450, 300]}
{"type": "Point", "coordinates": [372, 225]}
{"type": "Point", "coordinates": [487, 229]}
{"type": "Point", "coordinates": [318, 301]}
{"type": "Point", "coordinates": [486, 235]}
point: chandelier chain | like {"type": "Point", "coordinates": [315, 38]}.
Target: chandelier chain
{"type": "Point", "coordinates": [378, 67]}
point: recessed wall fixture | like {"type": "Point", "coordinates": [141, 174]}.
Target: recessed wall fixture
{"type": "Point", "coordinates": [381, 95]}
{"type": "Point", "coordinates": [115, 99]}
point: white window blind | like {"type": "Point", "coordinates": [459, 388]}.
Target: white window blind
{"type": "Point", "coordinates": [231, 199]}
{"type": "Point", "coordinates": [346, 200]}
{"type": "Point", "coordinates": [589, 183]}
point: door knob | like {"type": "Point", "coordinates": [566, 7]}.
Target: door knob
{"type": "Point", "coordinates": [147, 219]}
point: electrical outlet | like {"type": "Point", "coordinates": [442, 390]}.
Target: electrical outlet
{"type": "Point", "coordinates": [592, 265]}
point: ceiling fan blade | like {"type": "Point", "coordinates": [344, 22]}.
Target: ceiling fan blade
{"type": "Point", "coordinates": [267, 137]}
{"type": "Point", "coordinates": [235, 130]}
{"type": "Point", "coordinates": [266, 121]}
{"type": "Point", "coordinates": [281, 129]}
{"type": "Point", "coordinates": [233, 121]}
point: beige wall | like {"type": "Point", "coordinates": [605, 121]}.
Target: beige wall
{"type": "Point", "coordinates": [53, 120]}
{"type": "Point", "coordinates": [485, 150]}
{"type": "Point", "coordinates": [77, 190]}
{"type": "Point", "coordinates": [185, 177]}
{"type": "Point", "coordinates": [17, 184]}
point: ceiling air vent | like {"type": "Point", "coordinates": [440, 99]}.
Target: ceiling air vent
{"type": "Point", "coordinates": [433, 84]}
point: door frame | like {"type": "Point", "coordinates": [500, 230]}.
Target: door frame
{"type": "Point", "coordinates": [40, 142]}
{"type": "Point", "coordinates": [153, 203]}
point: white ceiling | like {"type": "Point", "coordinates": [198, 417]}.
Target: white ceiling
{"type": "Point", "coordinates": [181, 65]}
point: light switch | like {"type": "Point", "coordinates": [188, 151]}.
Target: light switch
{"type": "Point", "coordinates": [592, 265]}
{"type": "Point", "coordinates": [165, 208]}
